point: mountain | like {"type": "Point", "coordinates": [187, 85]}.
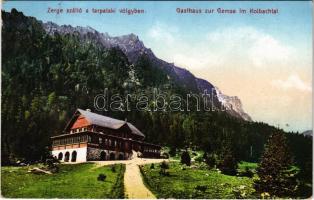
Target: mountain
{"type": "Point", "coordinates": [232, 104]}
{"type": "Point", "coordinates": [134, 48]}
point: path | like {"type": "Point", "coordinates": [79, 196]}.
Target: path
{"type": "Point", "coordinates": [133, 183]}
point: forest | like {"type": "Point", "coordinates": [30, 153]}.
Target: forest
{"type": "Point", "coordinates": [45, 78]}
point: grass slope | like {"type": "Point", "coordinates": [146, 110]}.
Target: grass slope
{"type": "Point", "coordinates": [182, 183]}
{"type": "Point", "coordinates": [72, 181]}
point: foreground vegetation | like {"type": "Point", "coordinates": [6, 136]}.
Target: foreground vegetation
{"type": "Point", "coordinates": [196, 182]}
{"type": "Point", "coordinates": [72, 181]}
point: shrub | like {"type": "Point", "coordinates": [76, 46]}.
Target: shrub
{"type": "Point", "coordinates": [101, 177]}
{"type": "Point", "coordinates": [185, 158]}
{"type": "Point", "coordinates": [51, 164]}
{"type": "Point", "coordinates": [113, 168]}
{"type": "Point", "coordinates": [163, 168]}
{"type": "Point", "coordinates": [165, 155]}
{"type": "Point", "coordinates": [173, 151]}
{"type": "Point", "coordinates": [211, 160]}
{"type": "Point", "coordinates": [199, 159]}
{"type": "Point", "coordinates": [201, 188]}
{"type": "Point", "coordinates": [152, 166]}
{"type": "Point", "coordinates": [228, 164]}
{"type": "Point", "coordinates": [246, 173]}
{"type": "Point", "coordinates": [243, 192]}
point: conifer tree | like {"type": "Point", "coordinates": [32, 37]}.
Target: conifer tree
{"type": "Point", "coordinates": [273, 170]}
{"type": "Point", "coordinates": [228, 164]}
{"type": "Point", "coordinates": [185, 158]}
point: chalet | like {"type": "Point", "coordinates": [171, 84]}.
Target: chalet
{"type": "Point", "coordinates": [89, 136]}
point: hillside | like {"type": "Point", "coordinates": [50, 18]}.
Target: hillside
{"type": "Point", "coordinates": [134, 49]}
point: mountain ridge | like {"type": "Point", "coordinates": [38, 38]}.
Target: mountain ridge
{"type": "Point", "coordinates": [134, 48]}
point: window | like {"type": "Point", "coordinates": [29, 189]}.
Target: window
{"type": "Point", "coordinates": [100, 140]}
{"type": "Point", "coordinates": [60, 156]}
{"type": "Point", "coordinates": [74, 154]}
{"type": "Point", "coordinates": [67, 157]}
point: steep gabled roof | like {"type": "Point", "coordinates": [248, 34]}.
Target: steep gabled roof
{"type": "Point", "coordinates": [108, 122]}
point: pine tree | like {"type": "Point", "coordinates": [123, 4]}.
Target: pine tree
{"type": "Point", "coordinates": [185, 158]}
{"type": "Point", "coordinates": [273, 170]}
{"type": "Point", "coordinates": [228, 164]}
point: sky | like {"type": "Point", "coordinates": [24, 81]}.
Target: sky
{"type": "Point", "coordinates": [264, 59]}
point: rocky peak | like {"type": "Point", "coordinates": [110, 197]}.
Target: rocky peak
{"type": "Point", "coordinates": [134, 48]}
{"type": "Point", "coordinates": [232, 104]}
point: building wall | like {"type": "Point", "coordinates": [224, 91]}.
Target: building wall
{"type": "Point", "coordinates": [80, 156]}
{"type": "Point", "coordinates": [95, 154]}
{"type": "Point", "coordinates": [90, 154]}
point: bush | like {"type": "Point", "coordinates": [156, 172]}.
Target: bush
{"type": "Point", "coordinates": [173, 151]}
{"type": "Point", "coordinates": [113, 168]}
{"type": "Point", "coordinates": [246, 173]}
{"type": "Point", "coordinates": [243, 192]}
{"type": "Point", "coordinates": [185, 158]}
{"type": "Point", "coordinates": [51, 164]}
{"type": "Point", "coordinates": [101, 177]}
{"type": "Point", "coordinates": [228, 164]}
{"type": "Point", "coordinates": [165, 155]}
{"type": "Point", "coordinates": [199, 159]}
{"type": "Point", "coordinates": [211, 160]}
{"type": "Point", "coordinates": [201, 188]}
{"type": "Point", "coordinates": [152, 166]}
{"type": "Point", "coordinates": [163, 168]}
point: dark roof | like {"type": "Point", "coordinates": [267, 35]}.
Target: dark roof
{"type": "Point", "coordinates": [108, 122]}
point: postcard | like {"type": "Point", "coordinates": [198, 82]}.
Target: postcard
{"type": "Point", "coordinates": [156, 99]}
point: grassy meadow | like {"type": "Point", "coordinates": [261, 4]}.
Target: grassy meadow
{"type": "Point", "coordinates": [197, 182]}
{"type": "Point", "coordinates": [72, 181]}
